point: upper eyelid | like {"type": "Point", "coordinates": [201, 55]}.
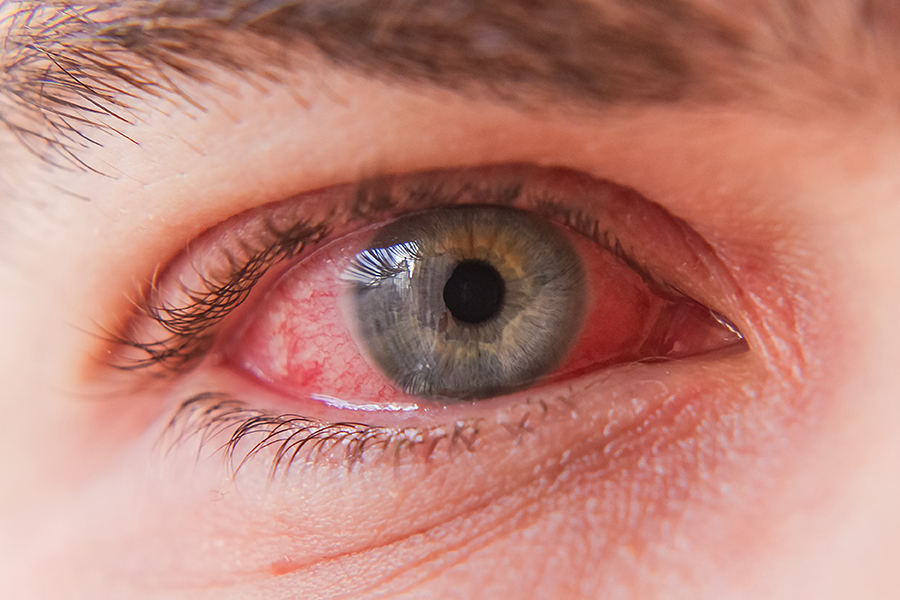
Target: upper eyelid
{"type": "Point", "coordinates": [185, 319]}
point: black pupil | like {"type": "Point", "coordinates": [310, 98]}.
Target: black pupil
{"type": "Point", "coordinates": [474, 292]}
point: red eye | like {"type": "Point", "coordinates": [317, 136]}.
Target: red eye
{"type": "Point", "coordinates": [549, 305]}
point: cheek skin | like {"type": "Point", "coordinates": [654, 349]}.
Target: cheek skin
{"type": "Point", "coordinates": [391, 524]}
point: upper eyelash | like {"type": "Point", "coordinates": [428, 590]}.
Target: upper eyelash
{"type": "Point", "coordinates": [190, 325]}
{"type": "Point", "coordinates": [587, 226]}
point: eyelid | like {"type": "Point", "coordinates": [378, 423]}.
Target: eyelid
{"type": "Point", "coordinates": [612, 216]}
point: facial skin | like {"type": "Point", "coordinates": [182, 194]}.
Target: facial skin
{"type": "Point", "coordinates": [768, 474]}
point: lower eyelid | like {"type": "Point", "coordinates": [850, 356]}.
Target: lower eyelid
{"type": "Point", "coordinates": [601, 406]}
{"type": "Point", "coordinates": [604, 428]}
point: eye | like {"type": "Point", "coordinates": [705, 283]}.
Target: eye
{"type": "Point", "coordinates": [488, 282]}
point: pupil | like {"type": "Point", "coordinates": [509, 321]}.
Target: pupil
{"type": "Point", "coordinates": [474, 292]}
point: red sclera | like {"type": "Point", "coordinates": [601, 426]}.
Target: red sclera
{"type": "Point", "coordinates": [298, 339]}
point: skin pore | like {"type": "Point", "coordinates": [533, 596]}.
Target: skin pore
{"type": "Point", "coordinates": [762, 475]}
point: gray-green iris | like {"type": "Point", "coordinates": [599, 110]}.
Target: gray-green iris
{"type": "Point", "coordinates": [467, 302]}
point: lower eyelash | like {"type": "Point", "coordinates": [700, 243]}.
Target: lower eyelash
{"type": "Point", "coordinates": [290, 439]}
{"type": "Point", "coordinates": [588, 226]}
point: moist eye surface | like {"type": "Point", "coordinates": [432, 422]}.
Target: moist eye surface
{"type": "Point", "coordinates": [466, 302]}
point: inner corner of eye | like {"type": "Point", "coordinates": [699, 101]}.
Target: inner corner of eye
{"type": "Point", "coordinates": [462, 303]}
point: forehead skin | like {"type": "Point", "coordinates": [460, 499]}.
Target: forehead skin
{"type": "Point", "coordinates": [757, 122]}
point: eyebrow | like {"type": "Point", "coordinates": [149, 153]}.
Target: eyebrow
{"type": "Point", "coordinates": [70, 66]}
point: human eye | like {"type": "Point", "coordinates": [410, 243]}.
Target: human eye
{"type": "Point", "coordinates": [252, 477]}
{"type": "Point", "coordinates": [364, 317]}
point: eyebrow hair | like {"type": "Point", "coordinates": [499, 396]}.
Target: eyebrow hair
{"type": "Point", "coordinates": [67, 67]}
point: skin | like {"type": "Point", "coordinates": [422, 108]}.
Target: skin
{"type": "Point", "coordinates": [777, 477]}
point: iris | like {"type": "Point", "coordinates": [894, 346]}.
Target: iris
{"type": "Point", "coordinates": [466, 302]}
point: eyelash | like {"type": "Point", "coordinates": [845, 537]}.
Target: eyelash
{"type": "Point", "coordinates": [190, 325]}
{"type": "Point", "coordinates": [291, 437]}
